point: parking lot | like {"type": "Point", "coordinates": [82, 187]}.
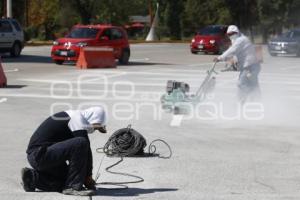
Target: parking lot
{"type": "Point", "coordinates": [220, 155]}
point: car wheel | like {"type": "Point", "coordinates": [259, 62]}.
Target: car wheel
{"type": "Point", "coordinates": [193, 52]}
{"type": "Point", "coordinates": [273, 54]}
{"type": "Point", "coordinates": [59, 62]}
{"type": "Point", "coordinates": [124, 59]}
{"type": "Point", "coordinates": [16, 50]}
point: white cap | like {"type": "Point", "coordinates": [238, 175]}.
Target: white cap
{"type": "Point", "coordinates": [233, 28]}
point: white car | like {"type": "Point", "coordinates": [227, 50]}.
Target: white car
{"type": "Point", "coordinates": [11, 37]}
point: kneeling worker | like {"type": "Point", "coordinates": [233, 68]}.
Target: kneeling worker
{"type": "Point", "coordinates": [60, 154]}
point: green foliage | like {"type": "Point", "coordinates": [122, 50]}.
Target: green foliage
{"type": "Point", "coordinates": [275, 15]}
{"type": "Point", "coordinates": [199, 13]}
{"type": "Point", "coordinates": [48, 19]}
{"type": "Point", "coordinates": [173, 13]}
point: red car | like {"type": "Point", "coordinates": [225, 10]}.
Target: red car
{"type": "Point", "coordinates": [68, 48]}
{"type": "Point", "coordinates": [211, 39]}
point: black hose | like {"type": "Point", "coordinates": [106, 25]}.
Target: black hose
{"type": "Point", "coordinates": [124, 143]}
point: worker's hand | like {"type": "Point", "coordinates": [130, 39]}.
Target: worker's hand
{"type": "Point", "coordinates": [216, 59]}
{"type": "Point", "coordinates": [99, 127]}
{"type": "Point", "coordinates": [90, 183]}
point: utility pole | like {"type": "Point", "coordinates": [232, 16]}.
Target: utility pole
{"type": "Point", "coordinates": [9, 8]}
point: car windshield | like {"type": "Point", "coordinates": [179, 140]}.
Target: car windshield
{"type": "Point", "coordinates": [83, 33]}
{"type": "Point", "coordinates": [211, 30]}
{"type": "Point", "coordinates": [291, 34]}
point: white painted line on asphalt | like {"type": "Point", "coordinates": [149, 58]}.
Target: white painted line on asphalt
{"type": "Point", "coordinates": [82, 81]}
{"type": "Point", "coordinates": [100, 91]}
{"type": "Point", "coordinates": [288, 68]}
{"type": "Point", "coordinates": [280, 82]}
{"type": "Point", "coordinates": [11, 70]}
{"type": "Point", "coordinates": [139, 59]}
{"type": "Point", "coordinates": [104, 76]}
{"type": "Point", "coordinates": [3, 100]}
{"type": "Point", "coordinates": [209, 64]}
{"type": "Point", "coordinates": [176, 120]}
{"type": "Point", "coordinates": [279, 74]}
{"type": "Point", "coordinates": [88, 98]}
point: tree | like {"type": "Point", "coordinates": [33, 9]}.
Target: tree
{"type": "Point", "coordinates": [173, 13]}
{"type": "Point", "coordinates": [198, 14]}
{"type": "Point", "coordinates": [244, 14]}
{"type": "Point", "coordinates": [274, 16]}
{"type": "Point", "coordinates": [43, 16]}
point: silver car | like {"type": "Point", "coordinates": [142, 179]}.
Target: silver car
{"type": "Point", "coordinates": [287, 43]}
{"type": "Point", "coordinates": [11, 37]}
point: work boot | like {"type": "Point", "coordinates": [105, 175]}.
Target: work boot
{"type": "Point", "coordinates": [28, 179]}
{"type": "Point", "coordinates": [82, 192]}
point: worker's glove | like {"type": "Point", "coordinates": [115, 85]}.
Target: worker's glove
{"type": "Point", "coordinates": [89, 183]}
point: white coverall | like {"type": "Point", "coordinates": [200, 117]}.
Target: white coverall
{"type": "Point", "coordinates": [245, 52]}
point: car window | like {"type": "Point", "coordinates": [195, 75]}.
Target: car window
{"type": "Point", "coordinates": [211, 30]}
{"type": "Point", "coordinates": [107, 33]}
{"type": "Point", "coordinates": [116, 34]}
{"type": "Point", "coordinates": [17, 26]}
{"type": "Point", "coordinates": [83, 33]}
{"type": "Point", "coordinates": [296, 34]}
{"type": "Point", "coordinates": [5, 27]}
{"type": "Point", "coordinates": [288, 34]}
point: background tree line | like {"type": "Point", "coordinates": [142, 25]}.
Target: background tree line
{"type": "Point", "coordinates": [47, 19]}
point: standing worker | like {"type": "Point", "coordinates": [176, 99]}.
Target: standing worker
{"type": "Point", "coordinates": [60, 154]}
{"type": "Point", "coordinates": [248, 62]}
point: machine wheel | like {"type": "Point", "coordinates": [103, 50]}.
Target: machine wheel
{"type": "Point", "coordinates": [124, 59]}
{"type": "Point", "coordinates": [273, 54]}
{"type": "Point", "coordinates": [176, 110]}
{"type": "Point", "coordinates": [59, 62]}
{"type": "Point", "coordinates": [16, 50]}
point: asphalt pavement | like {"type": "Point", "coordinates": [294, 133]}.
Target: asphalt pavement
{"type": "Point", "coordinates": [219, 152]}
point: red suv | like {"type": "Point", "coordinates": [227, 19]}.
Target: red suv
{"type": "Point", "coordinates": [211, 39]}
{"type": "Point", "coordinates": [68, 48]}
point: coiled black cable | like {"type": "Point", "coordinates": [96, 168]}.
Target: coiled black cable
{"type": "Point", "coordinates": [124, 143]}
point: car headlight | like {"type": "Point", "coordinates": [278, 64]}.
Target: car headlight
{"type": "Point", "coordinates": [212, 41]}
{"type": "Point", "coordinates": [55, 42]}
{"type": "Point", "coordinates": [81, 44]}
{"type": "Point", "coordinates": [193, 40]}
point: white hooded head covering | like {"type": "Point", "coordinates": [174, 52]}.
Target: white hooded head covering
{"type": "Point", "coordinates": [83, 119]}
{"type": "Point", "coordinates": [233, 28]}
{"type": "Point", "coordinates": [94, 115]}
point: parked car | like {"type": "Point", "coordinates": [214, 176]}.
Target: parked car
{"type": "Point", "coordinates": [11, 37]}
{"type": "Point", "coordinates": [211, 39]}
{"type": "Point", "coordinates": [68, 48]}
{"type": "Point", "coordinates": [287, 43]}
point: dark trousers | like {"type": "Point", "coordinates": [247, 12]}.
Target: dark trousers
{"type": "Point", "coordinates": [52, 173]}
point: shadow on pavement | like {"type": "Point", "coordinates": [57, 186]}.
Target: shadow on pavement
{"type": "Point", "coordinates": [14, 86]}
{"type": "Point", "coordinates": [131, 191]}
{"type": "Point", "coordinates": [27, 59]}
